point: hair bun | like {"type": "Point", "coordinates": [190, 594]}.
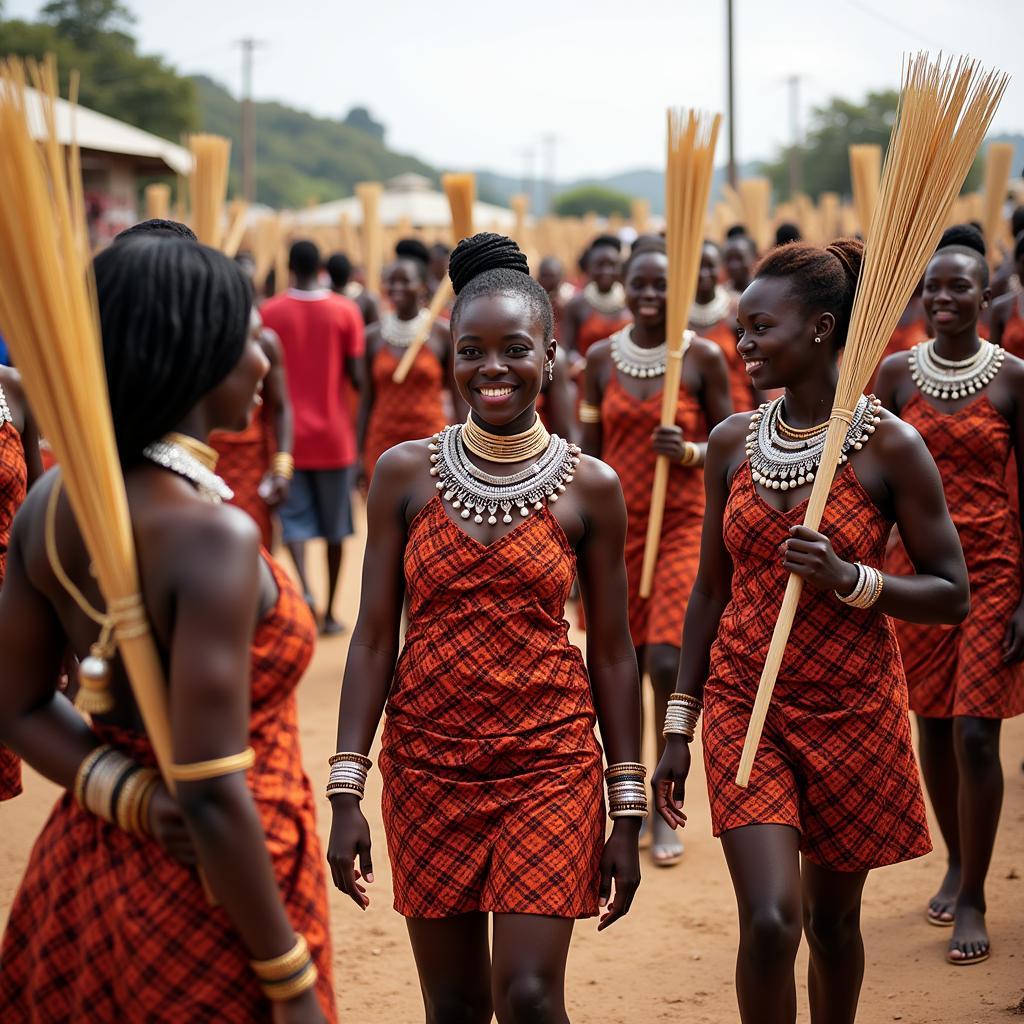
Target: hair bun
{"type": "Point", "coordinates": [850, 253]}
{"type": "Point", "coordinates": [486, 251]}
{"type": "Point", "coordinates": [412, 249]}
{"type": "Point", "coordinates": [965, 235]}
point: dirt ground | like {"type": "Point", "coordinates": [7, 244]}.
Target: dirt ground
{"type": "Point", "coordinates": [672, 958]}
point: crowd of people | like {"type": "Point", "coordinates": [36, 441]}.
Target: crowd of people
{"type": "Point", "coordinates": [506, 477]}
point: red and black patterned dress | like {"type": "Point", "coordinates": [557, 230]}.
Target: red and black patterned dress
{"type": "Point", "coordinates": [836, 760]}
{"type": "Point", "coordinates": [492, 777]}
{"type": "Point", "coordinates": [107, 928]}
{"type": "Point", "coordinates": [959, 670]}
{"type": "Point", "coordinates": [1013, 330]}
{"type": "Point", "coordinates": [13, 484]}
{"type": "Point", "coordinates": [244, 460]}
{"type": "Point", "coordinates": [626, 427]}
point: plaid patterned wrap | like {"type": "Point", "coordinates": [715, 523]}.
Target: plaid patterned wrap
{"type": "Point", "coordinates": [626, 426]}
{"type": "Point", "coordinates": [406, 411]}
{"type": "Point", "coordinates": [1013, 333]}
{"type": "Point", "coordinates": [244, 461]}
{"type": "Point", "coordinates": [106, 928]}
{"type": "Point", "coordinates": [597, 327]}
{"type": "Point", "coordinates": [836, 760]}
{"type": "Point", "coordinates": [13, 480]}
{"type": "Point", "coordinates": [740, 389]}
{"type": "Point", "coordinates": [902, 339]}
{"type": "Point", "coordinates": [493, 795]}
{"type": "Point", "coordinates": [959, 670]}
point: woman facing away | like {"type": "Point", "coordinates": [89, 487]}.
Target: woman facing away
{"type": "Point", "coordinates": [834, 791]}
{"type": "Point", "coordinates": [111, 922]}
{"type": "Point", "coordinates": [491, 771]}
{"type": "Point", "coordinates": [965, 396]}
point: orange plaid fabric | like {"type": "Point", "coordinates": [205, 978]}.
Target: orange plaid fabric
{"type": "Point", "coordinates": [740, 389]}
{"type": "Point", "coordinates": [959, 670]}
{"type": "Point", "coordinates": [244, 462]}
{"type": "Point", "coordinates": [493, 796]}
{"type": "Point", "coordinates": [1013, 333]}
{"type": "Point", "coordinates": [13, 480]}
{"type": "Point", "coordinates": [836, 760]}
{"type": "Point", "coordinates": [406, 411]}
{"type": "Point", "coordinates": [107, 928]}
{"type": "Point", "coordinates": [904, 338]}
{"type": "Point", "coordinates": [626, 428]}
{"type": "Point", "coordinates": [597, 327]}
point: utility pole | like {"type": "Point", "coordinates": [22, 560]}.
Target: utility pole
{"type": "Point", "coordinates": [796, 156]}
{"type": "Point", "coordinates": [731, 93]}
{"type": "Point", "coordinates": [248, 46]}
{"type": "Point", "coordinates": [550, 143]}
{"type": "Point", "coordinates": [528, 174]}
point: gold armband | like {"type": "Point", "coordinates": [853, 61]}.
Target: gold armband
{"type": "Point", "coordinates": [199, 770]}
{"type": "Point", "coordinates": [283, 465]}
{"type": "Point", "coordinates": [589, 413]}
{"type": "Point", "coordinates": [691, 454]}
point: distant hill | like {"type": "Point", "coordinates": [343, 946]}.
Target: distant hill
{"type": "Point", "coordinates": [299, 157]}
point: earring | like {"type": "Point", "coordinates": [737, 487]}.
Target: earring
{"type": "Point", "coordinates": [817, 340]}
{"type": "Point", "coordinates": [551, 369]}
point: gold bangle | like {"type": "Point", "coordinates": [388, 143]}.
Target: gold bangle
{"type": "Point", "coordinates": [145, 802]}
{"type": "Point", "coordinates": [127, 795]}
{"type": "Point", "coordinates": [282, 990]}
{"type": "Point", "coordinates": [691, 454]}
{"type": "Point", "coordinates": [198, 770]}
{"type": "Point", "coordinates": [102, 783]}
{"type": "Point", "coordinates": [84, 769]}
{"type": "Point", "coordinates": [283, 465]}
{"type": "Point", "coordinates": [349, 755]}
{"type": "Point", "coordinates": [589, 413]}
{"type": "Point", "coordinates": [281, 968]}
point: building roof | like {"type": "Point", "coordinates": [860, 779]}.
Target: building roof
{"type": "Point", "coordinates": [97, 132]}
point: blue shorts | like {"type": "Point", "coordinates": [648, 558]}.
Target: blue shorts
{"type": "Point", "coordinates": [319, 505]}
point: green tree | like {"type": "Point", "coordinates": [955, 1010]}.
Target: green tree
{"type": "Point", "coordinates": [833, 128]}
{"type": "Point", "coordinates": [592, 199]}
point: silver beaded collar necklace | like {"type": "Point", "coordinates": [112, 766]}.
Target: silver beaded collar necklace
{"type": "Point", "coordinates": [610, 302]}
{"type": "Point", "coordinates": [173, 457]}
{"type": "Point", "coordinates": [634, 361]}
{"type": "Point", "coordinates": [779, 464]}
{"type": "Point", "coordinates": [401, 333]}
{"type": "Point", "coordinates": [948, 379]}
{"type": "Point", "coordinates": [476, 493]}
{"type": "Point", "coordinates": [708, 313]}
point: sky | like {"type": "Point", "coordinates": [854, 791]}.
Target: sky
{"type": "Point", "coordinates": [475, 84]}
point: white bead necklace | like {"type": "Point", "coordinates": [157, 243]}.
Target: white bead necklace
{"type": "Point", "coordinates": [173, 457]}
{"type": "Point", "coordinates": [401, 333]}
{"type": "Point", "coordinates": [634, 361]}
{"type": "Point", "coordinates": [610, 302]}
{"type": "Point", "coordinates": [707, 314]}
{"type": "Point", "coordinates": [948, 379]}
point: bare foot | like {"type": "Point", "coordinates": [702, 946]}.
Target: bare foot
{"type": "Point", "coordinates": [331, 627]}
{"type": "Point", "coordinates": [941, 905]}
{"type": "Point", "coordinates": [969, 944]}
{"type": "Point", "coordinates": [666, 847]}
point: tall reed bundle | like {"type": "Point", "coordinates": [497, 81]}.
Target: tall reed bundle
{"type": "Point", "coordinates": [998, 157]}
{"type": "Point", "coordinates": [158, 201]}
{"type": "Point", "coordinates": [266, 241]}
{"type": "Point", "coordinates": [348, 239]}
{"type": "Point", "coordinates": [692, 135]}
{"type": "Point", "coordinates": [865, 170]}
{"type": "Point", "coordinates": [237, 211]}
{"type": "Point", "coordinates": [944, 110]}
{"type": "Point", "coordinates": [48, 315]}
{"type": "Point", "coordinates": [640, 216]}
{"type": "Point", "coordinates": [461, 192]}
{"type": "Point", "coordinates": [828, 215]}
{"type": "Point", "coordinates": [281, 272]}
{"type": "Point", "coordinates": [734, 201]}
{"type": "Point", "coordinates": [369, 193]}
{"type": "Point", "coordinates": [404, 226]}
{"type": "Point", "coordinates": [180, 198]}
{"type": "Point", "coordinates": [847, 221]}
{"type": "Point", "coordinates": [721, 220]}
{"type": "Point", "coordinates": [616, 222]}
{"type": "Point", "coordinates": [209, 186]}
{"type": "Point", "coordinates": [756, 198]}
{"type": "Point", "coordinates": [807, 218]}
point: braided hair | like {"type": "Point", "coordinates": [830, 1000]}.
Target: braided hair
{"type": "Point", "coordinates": [823, 278]}
{"type": "Point", "coordinates": [174, 317]}
{"type": "Point", "coordinates": [490, 264]}
{"type": "Point", "coordinates": [158, 226]}
{"type": "Point", "coordinates": [413, 250]}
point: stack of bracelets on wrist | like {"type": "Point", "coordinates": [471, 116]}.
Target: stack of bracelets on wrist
{"type": "Point", "coordinates": [286, 976]}
{"type": "Point", "coordinates": [627, 790]}
{"type": "Point", "coordinates": [283, 465]}
{"type": "Point", "coordinates": [348, 774]}
{"type": "Point", "coordinates": [868, 589]}
{"type": "Point", "coordinates": [691, 454]}
{"type": "Point", "coordinates": [682, 715]}
{"type": "Point", "coordinates": [117, 789]}
{"type": "Point", "coordinates": [589, 413]}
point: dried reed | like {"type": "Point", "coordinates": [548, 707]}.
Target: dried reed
{"type": "Point", "coordinates": [209, 186]}
{"type": "Point", "coordinates": [865, 170]}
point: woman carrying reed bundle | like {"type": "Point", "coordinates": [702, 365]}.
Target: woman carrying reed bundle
{"type": "Point", "coordinates": [965, 396]}
{"type": "Point", "coordinates": [491, 771]}
{"type": "Point", "coordinates": [835, 782]}
{"type": "Point", "coordinates": [599, 310]}
{"type": "Point", "coordinates": [391, 413]}
{"type": "Point", "coordinates": [111, 923]}
{"type": "Point", "coordinates": [621, 418]}
{"type": "Point", "coordinates": [1008, 310]}
{"type": "Point", "coordinates": [20, 465]}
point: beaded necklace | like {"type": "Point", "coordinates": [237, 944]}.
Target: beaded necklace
{"type": "Point", "coordinates": [948, 379]}
{"type": "Point", "coordinates": [707, 314]}
{"type": "Point", "coordinates": [608, 303]}
{"type": "Point", "coordinates": [634, 361]}
{"type": "Point", "coordinates": [511, 448]}
{"type": "Point", "coordinates": [171, 454]}
{"type": "Point", "coordinates": [401, 333]}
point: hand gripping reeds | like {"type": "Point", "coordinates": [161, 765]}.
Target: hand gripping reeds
{"type": "Point", "coordinates": [945, 109]}
{"type": "Point", "coordinates": [691, 152]}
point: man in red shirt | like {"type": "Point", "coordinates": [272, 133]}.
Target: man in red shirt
{"type": "Point", "coordinates": [322, 338]}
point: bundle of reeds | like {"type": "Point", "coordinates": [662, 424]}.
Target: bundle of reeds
{"type": "Point", "coordinates": [461, 192]}
{"type": "Point", "coordinates": [640, 216]}
{"type": "Point", "coordinates": [266, 240]}
{"type": "Point", "coordinates": [158, 201]}
{"type": "Point", "coordinates": [865, 170]}
{"type": "Point", "coordinates": [348, 239]}
{"type": "Point", "coordinates": [756, 200]}
{"type": "Point", "coordinates": [208, 186]}
{"type": "Point", "coordinates": [520, 204]}
{"type": "Point", "coordinates": [237, 212]}
{"type": "Point", "coordinates": [998, 158]}
{"type": "Point", "coordinates": [692, 135]}
{"type": "Point", "coordinates": [369, 193]}
{"type": "Point", "coordinates": [944, 110]}
{"type": "Point", "coordinates": [828, 216]}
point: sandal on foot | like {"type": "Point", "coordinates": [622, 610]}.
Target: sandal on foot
{"type": "Point", "coordinates": [665, 855]}
{"type": "Point", "coordinates": [968, 961]}
{"type": "Point", "coordinates": [935, 918]}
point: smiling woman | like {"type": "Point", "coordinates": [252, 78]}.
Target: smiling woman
{"type": "Point", "coordinates": [492, 775]}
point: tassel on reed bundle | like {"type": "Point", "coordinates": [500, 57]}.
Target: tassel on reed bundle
{"type": "Point", "coordinates": [369, 193]}
{"type": "Point", "coordinates": [209, 186]}
{"type": "Point", "coordinates": [945, 109]}
{"type": "Point", "coordinates": [692, 135]}
{"type": "Point", "coordinates": [865, 170]}
{"type": "Point", "coordinates": [461, 192]}
{"type": "Point", "coordinates": [998, 158]}
{"type": "Point", "coordinates": [48, 315]}
{"type": "Point", "coordinates": [158, 201]}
